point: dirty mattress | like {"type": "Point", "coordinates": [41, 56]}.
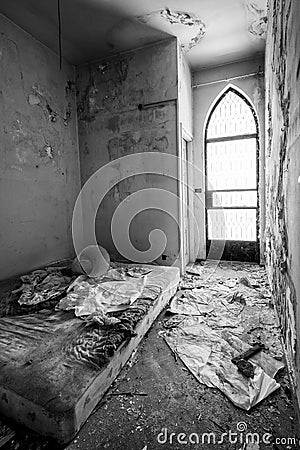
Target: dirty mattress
{"type": "Point", "coordinates": [55, 367]}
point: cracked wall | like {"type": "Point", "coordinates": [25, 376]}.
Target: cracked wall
{"type": "Point", "coordinates": [39, 173]}
{"type": "Point", "coordinates": [282, 171]}
{"type": "Point", "coordinates": [128, 104]}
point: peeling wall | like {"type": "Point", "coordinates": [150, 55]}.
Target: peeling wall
{"type": "Point", "coordinates": [185, 93]}
{"type": "Point", "coordinates": [283, 171]}
{"type": "Point", "coordinates": [188, 27]}
{"type": "Point", "coordinates": [203, 98]}
{"type": "Point", "coordinates": [39, 172]}
{"type": "Point", "coordinates": [112, 125]}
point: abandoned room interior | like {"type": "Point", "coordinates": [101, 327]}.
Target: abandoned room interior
{"type": "Point", "coordinates": [150, 238]}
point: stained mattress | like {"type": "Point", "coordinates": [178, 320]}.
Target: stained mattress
{"type": "Point", "coordinates": [53, 367]}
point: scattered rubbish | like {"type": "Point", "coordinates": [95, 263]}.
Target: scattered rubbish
{"type": "Point", "coordinates": [251, 446]}
{"type": "Point", "coordinates": [197, 304]}
{"type": "Point", "coordinates": [208, 353]}
{"type": "Point", "coordinates": [246, 282]}
{"type": "Point", "coordinates": [216, 423]}
{"type": "Point", "coordinates": [246, 368]}
{"type": "Point", "coordinates": [193, 271]}
{"type": "Point", "coordinates": [248, 353]}
{"type": "Point", "coordinates": [231, 283]}
{"type": "Point", "coordinates": [238, 297]}
{"type": "Point", "coordinates": [210, 331]}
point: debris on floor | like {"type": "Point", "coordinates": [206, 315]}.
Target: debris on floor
{"type": "Point", "coordinates": [212, 324]}
{"type": "Point", "coordinates": [126, 418]}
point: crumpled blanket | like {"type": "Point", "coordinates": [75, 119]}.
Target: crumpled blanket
{"type": "Point", "coordinates": [42, 285]}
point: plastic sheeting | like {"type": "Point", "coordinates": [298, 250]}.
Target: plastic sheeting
{"type": "Point", "coordinates": [207, 353]}
{"type": "Point", "coordinates": [97, 297]}
{"type": "Point", "coordinates": [207, 331]}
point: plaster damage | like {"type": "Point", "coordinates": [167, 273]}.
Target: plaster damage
{"type": "Point", "coordinates": [257, 18]}
{"type": "Point", "coordinates": [189, 28]}
{"type": "Point", "coordinates": [282, 169]}
{"type": "Point", "coordinates": [39, 174]}
{"type": "Point", "coordinates": [113, 124]}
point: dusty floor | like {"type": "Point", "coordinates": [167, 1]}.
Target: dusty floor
{"type": "Point", "coordinates": [156, 392]}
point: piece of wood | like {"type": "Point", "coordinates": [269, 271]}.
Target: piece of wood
{"type": "Point", "coordinates": [5, 439]}
{"type": "Point", "coordinates": [248, 353]}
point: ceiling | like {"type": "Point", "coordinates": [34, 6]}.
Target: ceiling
{"type": "Point", "coordinates": [211, 32]}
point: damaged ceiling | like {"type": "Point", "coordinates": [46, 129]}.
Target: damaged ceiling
{"type": "Point", "coordinates": [211, 32]}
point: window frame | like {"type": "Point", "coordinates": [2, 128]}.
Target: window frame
{"type": "Point", "coordinates": [256, 135]}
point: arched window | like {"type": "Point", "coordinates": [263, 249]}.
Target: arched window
{"type": "Point", "coordinates": [231, 161]}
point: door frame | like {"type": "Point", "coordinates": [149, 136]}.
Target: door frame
{"type": "Point", "coordinates": [185, 135]}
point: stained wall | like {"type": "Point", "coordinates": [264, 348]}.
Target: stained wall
{"type": "Point", "coordinates": [127, 104]}
{"type": "Point", "coordinates": [39, 171]}
{"type": "Point", "coordinates": [283, 171]}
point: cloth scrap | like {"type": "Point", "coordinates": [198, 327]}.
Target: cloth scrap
{"type": "Point", "coordinates": [42, 285]}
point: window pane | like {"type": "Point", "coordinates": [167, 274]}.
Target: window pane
{"type": "Point", "coordinates": [232, 116]}
{"type": "Point", "coordinates": [231, 164]}
{"type": "Point", "coordinates": [246, 198]}
{"type": "Point", "coordinates": [232, 224]}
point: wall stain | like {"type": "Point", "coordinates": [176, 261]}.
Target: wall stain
{"type": "Point", "coordinates": [88, 107]}
{"type": "Point", "coordinates": [41, 98]}
{"type": "Point", "coordinates": [8, 39]}
{"type": "Point", "coordinates": [113, 124]}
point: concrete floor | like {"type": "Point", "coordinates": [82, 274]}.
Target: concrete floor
{"type": "Point", "coordinates": [166, 396]}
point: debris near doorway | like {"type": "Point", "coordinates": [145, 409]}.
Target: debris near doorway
{"type": "Point", "coordinates": [214, 326]}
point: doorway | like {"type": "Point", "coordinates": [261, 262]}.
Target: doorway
{"type": "Point", "coordinates": [231, 169]}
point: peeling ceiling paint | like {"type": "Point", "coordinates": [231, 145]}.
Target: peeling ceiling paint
{"type": "Point", "coordinates": [257, 18]}
{"type": "Point", "coordinates": [189, 28]}
{"type": "Point", "coordinates": [211, 32]}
